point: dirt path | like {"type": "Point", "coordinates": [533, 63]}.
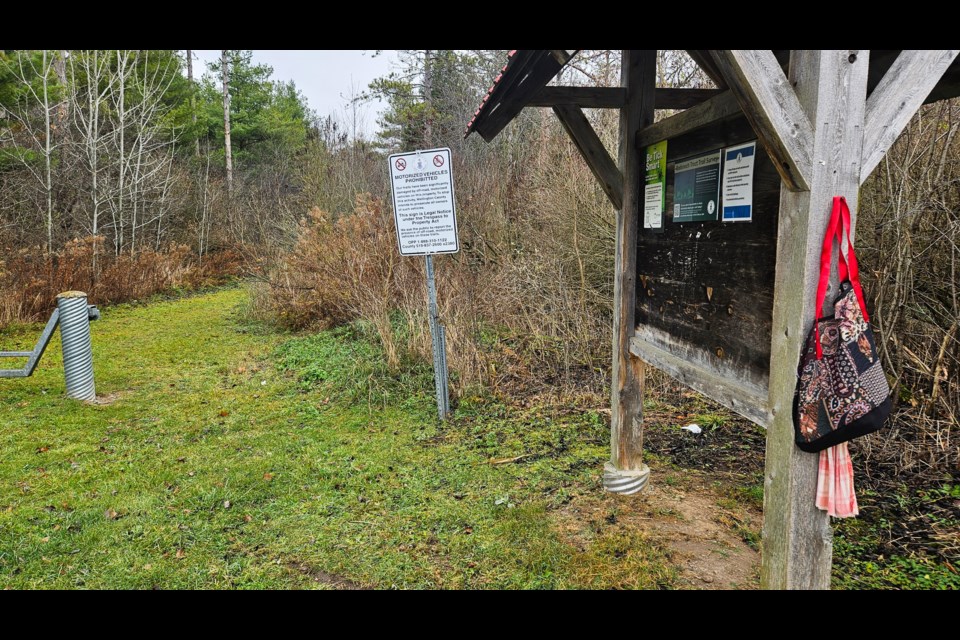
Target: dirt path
{"type": "Point", "coordinates": [705, 533]}
{"type": "Point", "coordinates": [708, 538]}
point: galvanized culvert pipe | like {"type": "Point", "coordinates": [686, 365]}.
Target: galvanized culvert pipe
{"type": "Point", "coordinates": [75, 316]}
{"type": "Point", "coordinates": [626, 482]}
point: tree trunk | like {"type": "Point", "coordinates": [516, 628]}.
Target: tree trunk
{"type": "Point", "coordinates": [60, 68]}
{"type": "Point", "coordinates": [227, 151]}
{"type": "Point", "coordinates": [122, 60]}
{"type": "Point", "coordinates": [428, 99]}
{"type": "Point", "coordinates": [193, 98]}
{"type": "Point", "coordinates": [47, 151]}
{"type": "Point", "coordinates": [92, 142]}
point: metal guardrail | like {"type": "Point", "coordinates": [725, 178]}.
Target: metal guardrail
{"type": "Point", "coordinates": [34, 355]}
{"type": "Point", "coordinates": [73, 314]}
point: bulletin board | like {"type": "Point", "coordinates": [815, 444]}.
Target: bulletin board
{"type": "Point", "coordinates": [705, 286]}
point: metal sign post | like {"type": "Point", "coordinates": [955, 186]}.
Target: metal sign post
{"type": "Point", "coordinates": [439, 335]}
{"type": "Point", "coordinates": [425, 214]}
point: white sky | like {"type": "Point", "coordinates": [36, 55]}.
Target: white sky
{"type": "Point", "coordinates": [328, 78]}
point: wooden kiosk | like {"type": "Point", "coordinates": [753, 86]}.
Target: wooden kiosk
{"type": "Point", "coordinates": [725, 307]}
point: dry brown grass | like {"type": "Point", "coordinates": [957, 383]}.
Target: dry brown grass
{"type": "Point", "coordinates": [344, 270]}
{"type": "Point", "coordinates": [527, 301]}
{"type": "Point", "coordinates": [30, 279]}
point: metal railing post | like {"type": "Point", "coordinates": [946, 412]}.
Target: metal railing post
{"type": "Point", "coordinates": [77, 349]}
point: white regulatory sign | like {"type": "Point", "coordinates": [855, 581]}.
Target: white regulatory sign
{"type": "Point", "coordinates": [423, 203]}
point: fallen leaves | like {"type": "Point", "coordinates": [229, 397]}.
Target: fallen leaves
{"type": "Point", "coordinates": [181, 554]}
{"type": "Point", "coordinates": [110, 514]}
{"type": "Point", "coordinates": [268, 477]}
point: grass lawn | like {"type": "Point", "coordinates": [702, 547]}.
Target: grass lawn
{"type": "Point", "coordinates": [224, 455]}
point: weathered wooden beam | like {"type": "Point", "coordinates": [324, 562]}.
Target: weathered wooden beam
{"type": "Point", "coordinates": [586, 97]}
{"type": "Point", "coordinates": [668, 98]}
{"type": "Point", "coordinates": [901, 92]}
{"type": "Point", "coordinates": [562, 56]}
{"type": "Point", "coordinates": [591, 148]}
{"type": "Point", "coordinates": [831, 87]}
{"type": "Point", "coordinates": [720, 107]}
{"type": "Point", "coordinates": [770, 103]}
{"type": "Point", "coordinates": [749, 400]}
{"type": "Point", "coordinates": [639, 76]}
{"type": "Point", "coordinates": [616, 97]}
{"type": "Point", "coordinates": [705, 61]}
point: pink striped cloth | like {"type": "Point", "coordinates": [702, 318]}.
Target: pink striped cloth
{"type": "Point", "coordinates": [835, 493]}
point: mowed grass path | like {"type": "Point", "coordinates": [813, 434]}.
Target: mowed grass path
{"type": "Point", "coordinates": [227, 456]}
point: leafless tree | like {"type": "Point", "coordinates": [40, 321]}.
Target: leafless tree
{"type": "Point", "coordinates": [227, 149]}
{"type": "Point", "coordinates": [91, 83]}
{"type": "Point", "coordinates": [193, 97]}
{"type": "Point", "coordinates": [27, 136]}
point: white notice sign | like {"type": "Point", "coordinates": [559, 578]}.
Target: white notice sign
{"type": "Point", "coordinates": [653, 206]}
{"type": "Point", "coordinates": [738, 182]}
{"type": "Point", "coordinates": [423, 203]}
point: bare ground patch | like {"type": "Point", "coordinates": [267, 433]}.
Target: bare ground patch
{"type": "Point", "coordinates": [325, 578]}
{"type": "Point", "coordinates": [704, 532]}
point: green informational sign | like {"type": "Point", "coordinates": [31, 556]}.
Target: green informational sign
{"type": "Point", "coordinates": [655, 186]}
{"type": "Point", "coordinates": [696, 189]}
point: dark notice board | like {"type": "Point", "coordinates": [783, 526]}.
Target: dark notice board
{"type": "Point", "coordinates": [705, 289]}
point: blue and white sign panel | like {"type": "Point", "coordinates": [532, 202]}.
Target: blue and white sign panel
{"type": "Point", "coordinates": [738, 182]}
{"type": "Point", "coordinates": [423, 202]}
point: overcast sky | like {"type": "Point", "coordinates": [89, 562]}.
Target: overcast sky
{"type": "Point", "coordinates": [327, 78]}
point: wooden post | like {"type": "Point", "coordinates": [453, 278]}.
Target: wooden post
{"type": "Point", "coordinates": [626, 473]}
{"type": "Point", "coordinates": [831, 87]}
{"type": "Point", "coordinates": [588, 143]}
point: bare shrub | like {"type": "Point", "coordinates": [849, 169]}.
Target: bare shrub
{"type": "Point", "coordinates": [908, 234]}
{"type": "Point", "coordinates": [343, 270]}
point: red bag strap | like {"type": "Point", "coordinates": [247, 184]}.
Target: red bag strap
{"type": "Point", "coordinates": [854, 276]}
{"type": "Point", "coordinates": [838, 225]}
{"type": "Point", "coordinates": [826, 256]}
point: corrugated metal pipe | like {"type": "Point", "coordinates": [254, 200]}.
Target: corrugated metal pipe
{"type": "Point", "coordinates": [75, 316]}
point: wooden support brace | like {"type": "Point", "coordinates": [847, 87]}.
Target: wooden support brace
{"type": "Point", "coordinates": [770, 103]}
{"type": "Point", "coordinates": [586, 97]}
{"type": "Point", "coordinates": [616, 97]}
{"type": "Point", "coordinates": [670, 98]}
{"type": "Point", "coordinates": [705, 61]}
{"type": "Point", "coordinates": [831, 86]}
{"type": "Point", "coordinates": [591, 148]}
{"type": "Point", "coordinates": [897, 98]}
{"type": "Point", "coordinates": [720, 107]}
